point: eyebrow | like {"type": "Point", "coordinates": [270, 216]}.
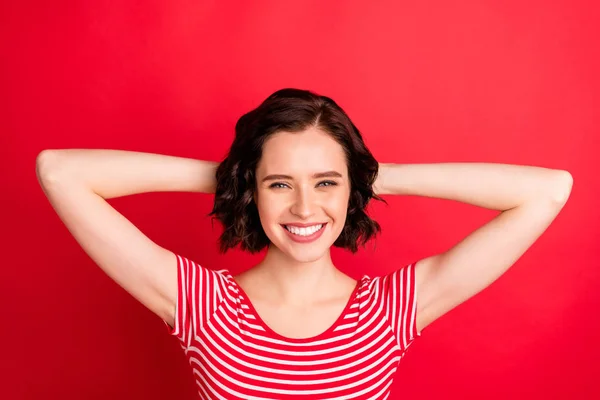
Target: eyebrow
{"type": "Point", "coordinates": [327, 174]}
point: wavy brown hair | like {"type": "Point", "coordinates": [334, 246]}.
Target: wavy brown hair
{"type": "Point", "coordinates": [291, 110]}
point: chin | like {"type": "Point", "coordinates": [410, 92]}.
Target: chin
{"type": "Point", "coordinates": [303, 253]}
{"type": "Point", "coordinates": [307, 256]}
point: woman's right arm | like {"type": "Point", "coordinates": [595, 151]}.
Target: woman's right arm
{"type": "Point", "coordinates": [77, 183]}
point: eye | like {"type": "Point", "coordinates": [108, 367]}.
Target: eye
{"type": "Point", "coordinates": [278, 185]}
{"type": "Point", "coordinates": [328, 183]}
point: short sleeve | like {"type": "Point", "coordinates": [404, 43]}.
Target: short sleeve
{"type": "Point", "coordinates": [199, 293]}
{"type": "Point", "coordinates": [399, 294]}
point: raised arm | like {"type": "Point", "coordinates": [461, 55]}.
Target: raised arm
{"type": "Point", "coordinates": [528, 197]}
{"type": "Point", "coordinates": [77, 182]}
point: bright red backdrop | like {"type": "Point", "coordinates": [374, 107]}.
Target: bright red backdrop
{"type": "Point", "coordinates": [509, 82]}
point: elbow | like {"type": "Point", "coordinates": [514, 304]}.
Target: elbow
{"type": "Point", "coordinates": [561, 187]}
{"type": "Point", "coordinates": [48, 166]}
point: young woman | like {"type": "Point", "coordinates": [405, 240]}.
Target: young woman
{"type": "Point", "coordinates": [296, 181]}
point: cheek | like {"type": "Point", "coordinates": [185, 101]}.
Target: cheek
{"type": "Point", "coordinates": [337, 209]}
{"type": "Point", "coordinates": [337, 205]}
{"type": "Point", "coordinates": [269, 209]}
{"type": "Point", "coordinates": [343, 200]}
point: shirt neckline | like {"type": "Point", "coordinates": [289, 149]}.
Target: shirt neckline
{"type": "Point", "coordinates": [279, 336]}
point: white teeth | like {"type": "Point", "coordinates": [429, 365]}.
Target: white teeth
{"type": "Point", "coordinates": [304, 231]}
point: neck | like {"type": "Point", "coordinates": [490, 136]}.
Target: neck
{"type": "Point", "coordinates": [294, 282]}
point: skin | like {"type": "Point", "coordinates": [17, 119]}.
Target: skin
{"type": "Point", "coordinates": [296, 288]}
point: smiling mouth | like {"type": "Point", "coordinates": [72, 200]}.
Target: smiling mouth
{"type": "Point", "coordinates": [304, 232]}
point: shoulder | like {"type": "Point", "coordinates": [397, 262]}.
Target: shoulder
{"type": "Point", "coordinates": [394, 283]}
{"type": "Point", "coordinates": [192, 272]}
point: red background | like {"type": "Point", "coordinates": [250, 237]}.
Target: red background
{"type": "Point", "coordinates": [428, 81]}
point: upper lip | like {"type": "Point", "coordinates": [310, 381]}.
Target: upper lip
{"type": "Point", "coordinates": [304, 225]}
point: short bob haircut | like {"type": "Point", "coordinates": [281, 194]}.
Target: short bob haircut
{"type": "Point", "coordinates": [291, 110]}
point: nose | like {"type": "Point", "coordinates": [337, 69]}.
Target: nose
{"type": "Point", "coordinates": [303, 206]}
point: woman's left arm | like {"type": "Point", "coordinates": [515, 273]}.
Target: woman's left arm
{"type": "Point", "coordinates": [528, 197]}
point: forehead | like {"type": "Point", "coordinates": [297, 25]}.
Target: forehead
{"type": "Point", "coordinates": [301, 153]}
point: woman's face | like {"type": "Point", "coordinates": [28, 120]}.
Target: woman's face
{"type": "Point", "coordinates": [302, 180]}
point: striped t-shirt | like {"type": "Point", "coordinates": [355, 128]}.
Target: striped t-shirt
{"type": "Point", "coordinates": [235, 355]}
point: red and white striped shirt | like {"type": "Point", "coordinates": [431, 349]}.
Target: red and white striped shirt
{"type": "Point", "coordinates": [235, 355]}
